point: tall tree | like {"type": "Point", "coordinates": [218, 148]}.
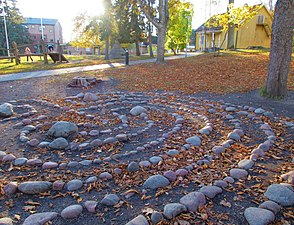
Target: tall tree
{"type": "Point", "coordinates": [281, 49]}
{"type": "Point", "coordinates": [149, 28]}
{"type": "Point", "coordinates": [179, 26]}
{"type": "Point", "coordinates": [87, 31]}
{"type": "Point", "coordinates": [231, 27]}
{"type": "Point", "coordinates": [160, 23]}
{"type": "Point", "coordinates": [107, 19]}
{"type": "Point", "coordinates": [16, 31]}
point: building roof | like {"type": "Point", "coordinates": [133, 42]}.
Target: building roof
{"type": "Point", "coordinates": [45, 21]}
{"type": "Point", "coordinates": [219, 28]}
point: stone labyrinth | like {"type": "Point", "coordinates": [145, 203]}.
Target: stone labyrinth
{"type": "Point", "coordinates": [140, 158]}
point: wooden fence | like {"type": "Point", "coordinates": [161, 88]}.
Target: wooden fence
{"type": "Point", "coordinates": [16, 53]}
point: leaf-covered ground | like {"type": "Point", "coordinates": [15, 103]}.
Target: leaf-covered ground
{"type": "Point", "coordinates": [227, 73]}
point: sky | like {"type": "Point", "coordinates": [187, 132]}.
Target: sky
{"type": "Point", "coordinates": [66, 10]}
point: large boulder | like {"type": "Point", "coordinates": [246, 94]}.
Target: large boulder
{"type": "Point", "coordinates": [137, 110]}
{"type": "Point", "coordinates": [63, 129]}
{"type": "Point", "coordinates": [59, 143]}
{"type": "Point", "coordinates": [6, 110]}
{"type": "Point", "coordinates": [281, 194]}
{"type": "Point", "coordinates": [156, 181]}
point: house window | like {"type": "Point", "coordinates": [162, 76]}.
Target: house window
{"type": "Point", "coordinates": [260, 19]}
{"type": "Point", "coordinates": [33, 27]}
{"type": "Point", "coordinates": [50, 31]}
{"type": "Point", "coordinates": [40, 28]}
{"type": "Point", "coordinates": [51, 40]}
{"type": "Point", "coordinates": [45, 37]}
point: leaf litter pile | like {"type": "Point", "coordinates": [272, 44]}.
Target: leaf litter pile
{"type": "Point", "coordinates": [110, 139]}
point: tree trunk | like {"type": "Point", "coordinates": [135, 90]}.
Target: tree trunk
{"type": "Point", "coordinates": [106, 57]}
{"type": "Point", "coordinates": [231, 31]}
{"type": "Point", "coordinates": [237, 34]}
{"type": "Point", "coordinates": [160, 44]}
{"type": "Point", "coordinates": [281, 49]}
{"type": "Point", "coordinates": [138, 53]}
{"type": "Point", "coordinates": [150, 41]}
{"type": "Point", "coordinates": [160, 24]}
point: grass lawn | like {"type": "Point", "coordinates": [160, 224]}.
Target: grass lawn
{"type": "Point", "coordinates": [6, 66]}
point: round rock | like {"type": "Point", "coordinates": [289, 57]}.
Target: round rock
{"type": "Point", "coordinates": [258, 216]}
{"type": "Point", "coordinates": [270, 205]}
{"type": "Point", "coordinates": [40, 218]}
{"type": "Point", "coordinates": [171, 210]}
{"type": "Point", "coordinates": [281, 194]}
{"type": "Point", "coordinates": [210, 191]}
{"type": "Point", "coordinates": [72, 211]}
{"type": "Point", "coordinates": [156, 181]}
{"type": "Point", "coordinates": [133, 167]}
{"type": "Point", "coordinates": [194, 140]}
{"type": "Point", "coordinates": [137, 110]}
{"type": "Point", "coordinates": [6, 110]}
{"type": "Point", "coordinates": [74, 185]}
{"type": "Point", "coordinates": [139, 220]}
{"type": "Point", "coordinates": [6, 221]}
{"type": "Point", "coordinates": [238, 173]}
{"type": "Point", "coordinates": [110, 200]}
{"type": "Point", "coordinates": [63, 129]}
{"type": "Point", "coordinates": [245, 164]}
{"type": "Point", "coordinates": [59, 143]}
{"type": "Point", "coordinates": [193, 200]}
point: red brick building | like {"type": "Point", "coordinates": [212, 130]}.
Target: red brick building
{"type": "Point", "coordinates": [52, 31]}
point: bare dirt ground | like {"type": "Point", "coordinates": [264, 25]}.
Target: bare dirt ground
{"type": "Point", "coordinates": [226, 208]}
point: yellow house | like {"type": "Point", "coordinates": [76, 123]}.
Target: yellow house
{"type": "Point", "coordinates": [254, 32]}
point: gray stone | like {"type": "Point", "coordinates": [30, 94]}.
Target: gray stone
{"type": "Point", "coordinates": [171, 210]}
{"type": "Point", "coordinates": [2, 154]}
{"type": "Point", "coordinates": [121, 137]}
{"type": "Point", "coordinates": [218, 149]}
{"type": "Point", "coordinates": [59, 143]}
{"type": "Point", "coordinates": [205, 130]}
{"type": "Point", "coordinates": [49, 165]}
{"type": "Point", "coordinates": [20, 161]}
{"type": "Point", "coordinates": [96, 143]}
{"type": "Point", "coordinates": [280, 194]}
{"type": "Point", "coordinates": [74, 185]}
{"type": "Point", "coordinates": [110, 200]}
{"type": "Point", "coordinates": [10, 188]}
{"type": "Point", "coordinates": [193, 200]}
{"type": "Point", "coordinates": [63, 129]}
{"type": "Point", "coordinates": [270, 205]}
{"type": "Point", "coordinates": [156, 217]}
{"type": "Point", "coordinates": [230, 109]}
{"type": "Point", "coordinates": [258, 216]}
{"type": "Point", "coordinates": [234, 136]}
{"type": "Point", "coordinates": [8, 158]}
{"type": "Point", "coordinates": [210, 191]}
{"type": "Point", "coordinates": [6, 110]}
{"type": "Point", "coordinates": [139, 220]}
{"type": "Point", "coordinates": [110, 140]}
{"type": "Point", "coordinates": [91, 206]}
{"type": "Point", "coordinates": [173, 152]}
{"type": "Point", "coordinates": [137, 110]}
{"type": "Point", "coordinates": [34, 162]}
{"type": "Point", "coordinates": [6, 221]}
{"type": "Point", "coordinates": [43, 144]}
{"type": "Point", "coordinates": [86, 162]}
{"type": "Point", "coordinates": [34, 187]}
{"type": "Point", "coordinates": [58, 185]}
{"type": "Point", "coordinates": [182, 172]}
{"type": "Point", "coordinates": [88, 97]}
{"type": "Point", "coordinates": [40, 218]}
{"type": "Point", "coordinates": [194, 140]}
{"type": "Point", "coordinates": [91, 179]}
{"type": "Point", "coordinates": [155, 159]}
{"type": "Point", "coordinates": [229, 179]}
{"type": "Point", "coordinates": [258, 152]}
{"type": "Point", "coordinates": [133, 167]}
{"type": "Point", "coordinates": [245, 164]}
{"type": "Point", "coordinates": [238, 173]}
{"type": "Point", "coordinates": [72, 211]}
{"type": "Point", "coordinates": [220, 183]}
{"type": "Point", "coordinates": [156, 181]}
{"type": "Point", "coordinates": [105, 175]}
{"type": "Point", "coordinates": [259, 111]}
{"type": "Point", "coordinates": [144, 163]}
{"type": "Point", "coordinates": [170, 175]}
{"type": "Point", "coordinates": [289, 177]}
{"type": "Point", "coordinates": [264, 147]}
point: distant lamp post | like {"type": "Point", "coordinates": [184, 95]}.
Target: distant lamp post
{"type": "Point", "coordinates": [2, 13]}
{"type": "Point", "coordinates": [187, 38]}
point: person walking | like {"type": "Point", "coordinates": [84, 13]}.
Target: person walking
{"type": "Point", "coordinates": [28, 53]}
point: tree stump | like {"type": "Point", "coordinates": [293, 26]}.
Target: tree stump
{"type": "Point", "coordinates": [83, 82]}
